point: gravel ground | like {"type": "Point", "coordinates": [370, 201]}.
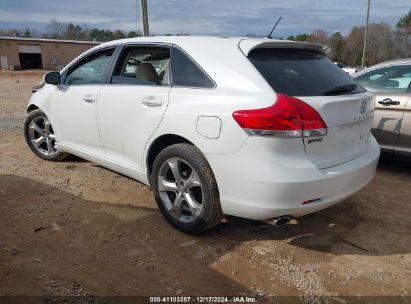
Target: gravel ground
{"type": "Point", "coordinates": [74, 228]}
{"type": "Point", "coordinates": [10, 123]}
{"type": "Point", "coordinates": [12, 105]}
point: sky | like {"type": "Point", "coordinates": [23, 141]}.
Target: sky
{"type": "Point", "coordinates": [202, 17]}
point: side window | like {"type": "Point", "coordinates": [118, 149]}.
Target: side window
{"type": "Point", "coordinates": [143, 66]}
{"type": "Point", "coordinates": [186, 73]}
{"type": "Point", "coordinates": [91, 70]}
{"type": "Point", "coordinates": [389, 79]}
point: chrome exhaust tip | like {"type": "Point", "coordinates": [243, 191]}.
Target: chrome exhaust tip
{"type": "Point", "coordinates": [280, 221]}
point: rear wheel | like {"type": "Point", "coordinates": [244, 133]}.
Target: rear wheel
{"type": "Point", "coordinates": [185, 189]}
{"type": "Point", "coordinates": [39, 135]}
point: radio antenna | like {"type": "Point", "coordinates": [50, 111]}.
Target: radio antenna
{"type": "Point", "coordinates": [275, 25]}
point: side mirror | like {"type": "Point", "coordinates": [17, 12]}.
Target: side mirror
{"type": "Point", "coordinates": [52, 78]}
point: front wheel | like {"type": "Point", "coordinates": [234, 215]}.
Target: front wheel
{"type": "Point", "coordinates": [40, 138]}
{"type": "Point", "coordinates": [185, 189]}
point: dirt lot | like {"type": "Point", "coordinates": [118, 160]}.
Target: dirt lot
{"type": "Point", "coordinates": [74, 228]}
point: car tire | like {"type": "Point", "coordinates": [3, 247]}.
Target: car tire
{"type": "Point", "coordinates": [185, 189]}
{"type": "Point", "coordinates": [39, 136]}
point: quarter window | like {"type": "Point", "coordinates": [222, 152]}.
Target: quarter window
{"type": "Point", "coordinates": [143, 66]}
{"type": "Point", "coordinates": [389, 79]}
{"type": "Point", "coordinates": [92, 70]}
{"type": "Point", "coordinates": [186, 73]}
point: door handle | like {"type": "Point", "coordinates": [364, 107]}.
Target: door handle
{"type": "Point", "coordinates": [152, 102]}
{"type": "Point", "coordinates": [89, 99]}
{"type": "Point", "coordinates": [389, 102]}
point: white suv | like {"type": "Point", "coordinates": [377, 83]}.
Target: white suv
{"type": "Point", "coordinates": [256, 128]}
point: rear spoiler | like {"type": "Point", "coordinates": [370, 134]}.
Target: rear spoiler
{"type": "Point", "coordinates": [247, 45]}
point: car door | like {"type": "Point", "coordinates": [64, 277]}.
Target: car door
{"type": "Point", "coordinates": [74, 104]}
{"type": "Point", "coordinates": [132, 105]}
{"type": "Point", "coordinates": [390, 86]}
{"type": "Point", "coordinates": [388, 119]}
{"type": "Point", "coordinates": [403, 145]}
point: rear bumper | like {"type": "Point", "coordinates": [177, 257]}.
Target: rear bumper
{"type": "Point", "coordinates": [263, 181]}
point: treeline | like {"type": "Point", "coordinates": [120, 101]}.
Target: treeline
{"type": "Point", "coordinates": [71, 31]}
{"type": "Point", "coordinates": [383, 42]}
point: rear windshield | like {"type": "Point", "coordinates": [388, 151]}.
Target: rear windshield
{"type": "Point", "coordinates": [297, 72]}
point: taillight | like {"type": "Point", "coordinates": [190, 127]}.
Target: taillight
{"type": "Point", "coordinates": [288, 117]}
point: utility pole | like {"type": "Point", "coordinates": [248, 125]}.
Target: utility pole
{"type": "Point", "coordinates": [146, 31]}
{"type": "Point", "coordinates": [365, 35]}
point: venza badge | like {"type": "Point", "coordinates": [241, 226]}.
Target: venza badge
{"type": "Point", "coordinates": [363, 107]}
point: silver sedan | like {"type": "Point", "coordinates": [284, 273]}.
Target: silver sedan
{"type": "Point", "coordinates": [390, 81]}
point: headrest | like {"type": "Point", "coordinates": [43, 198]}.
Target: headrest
{"type": "Point", "coordinates": [146, 71]}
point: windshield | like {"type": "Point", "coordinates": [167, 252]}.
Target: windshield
{"type": "Point", "coordinates": [297, 72]}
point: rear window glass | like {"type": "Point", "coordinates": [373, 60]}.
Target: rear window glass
{"type": "Point", "coordinates": [296, 72]}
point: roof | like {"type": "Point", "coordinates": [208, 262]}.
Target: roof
{"type": "Point", "coordinates": [393, 62]}
{"type": "Point", "coordinates": [48, 40]}
{"type": "Point", "coordinates": [402, 61]}
{"type": "Point", "coordinates": [246, 44]}
{"type": "Point", "coordinates": [179, 40]}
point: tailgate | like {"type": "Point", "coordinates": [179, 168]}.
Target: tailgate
{"type": "Point", "coordinates": [349, 120]}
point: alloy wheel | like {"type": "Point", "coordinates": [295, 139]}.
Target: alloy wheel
{"type": "Point", "coordinates": [41, 136]}
{"type": "Point", "coordinates": [180, 190]}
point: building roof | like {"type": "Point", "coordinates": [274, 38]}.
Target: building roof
{"type": "Point", "coordinates": [48, 40]}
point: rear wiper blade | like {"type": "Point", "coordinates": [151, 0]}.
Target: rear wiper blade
{"type": "Point", "coordinates": [341, 89]}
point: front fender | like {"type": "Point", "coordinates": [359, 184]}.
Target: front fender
{"type": "Point", "coordinates": [42, 100]}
